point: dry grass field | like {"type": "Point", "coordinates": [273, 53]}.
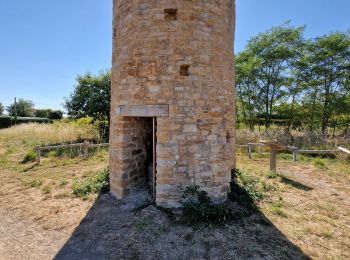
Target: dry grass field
{"type": "Point", "coordinates": [42, 194]}
{"type": "Point", "coordinates": [307, 203]}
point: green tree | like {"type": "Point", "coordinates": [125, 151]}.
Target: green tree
{"type": "Point", "coordinates": [295, 87]}
{"type": "Point", "coordinates": [340, 118]}
{"type": "Point", "coordinates": [91, 97]}
{"type": "Point", "coordinates": [329, 62]}
{"type": "Point", "coordinates": [24, 108]}
{"type": "Point", "coordinates": [56, 114]}
{"type": "Point", "coordinates": [248, 103]}
{"type": "Point", "coordinates": [1, 108]}
{"type": "Point", "coordinates": [43, 113]}
{"type": "Point", "coordinates": [273, 51]}
{"type": "Point", "coordinates": [49, 113]}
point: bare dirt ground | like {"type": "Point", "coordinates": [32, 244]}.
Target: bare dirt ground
{"type": "Point", "coordinates": [21, 239]}
{"type": "Point", "coordinates": [305, 213]}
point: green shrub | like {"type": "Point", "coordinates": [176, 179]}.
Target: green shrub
{"type": "Point", "coordinates": [197, 208]}
{"type": "Point", "coordinates": [96, 184]}
{"type": "Point", "coordinates": [272, 175]}
{"type": "Point", "coordinates": [247, 191]}
{"type": "Point", "coordinates": [29, 157]}
{"type": "Point", "coordinates": [82, 189]}
{"type": "Point", "coordinates": [52, 154]}
{"type": "Point", "coordinates": [250, 185]}
{"type": "Point", "coordinates": [284, 156]}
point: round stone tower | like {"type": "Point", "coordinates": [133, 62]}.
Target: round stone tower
{"type": "Point", "coordinates": [173, 101]}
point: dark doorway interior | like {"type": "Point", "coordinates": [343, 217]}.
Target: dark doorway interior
{"type": "Point", "coordinates": [143, 155]}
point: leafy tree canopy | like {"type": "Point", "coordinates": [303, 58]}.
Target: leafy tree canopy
{"type": "Point", "coordinates": [1, 108]}
{"type": "Point", "coordinates": [262, 68]}
{"type": "Point", "coordinates": [305, 83]}
{"type": "Point", "coordinates": [91, 97]}
{"type": "Point", "coordinates": [25, 108]}
{"type": "Point", "coordinates": [49, 113]}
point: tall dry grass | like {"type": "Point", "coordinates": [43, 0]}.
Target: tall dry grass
{"type": "Point", "coordinates": [301, 139]}
{"type": "Point", "coordinates": [60, 132]}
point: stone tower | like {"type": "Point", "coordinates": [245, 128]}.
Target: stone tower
{"type": "Point", "coordinates": [173, 101]}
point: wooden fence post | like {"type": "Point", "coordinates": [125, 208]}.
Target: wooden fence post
{"type": "Point", "coordinates": [38, 154]}
{"type": "Point", "coordinates": [274, 146]}
{"type": "Point", "coordinates": [295, 153]}
{"type": "Point", "coordinates": [86, 147]}
{"type": "Point", "coordinates": [273, 158]}
{"type": "Point", "coordinates": [250, 151]}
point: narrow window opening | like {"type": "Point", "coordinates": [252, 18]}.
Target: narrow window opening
{"type": "Point", "coordinates": [114, 32]}
{"type": "Point", "coordinates": [170, 14]}
{"type": "Point", "coordinates": [185, 70]}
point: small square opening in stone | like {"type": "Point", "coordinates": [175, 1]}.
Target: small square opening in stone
{"type": "Point", "coordinates": [185, 70]}
{"type": "Point", "coordinates": [170, 14]}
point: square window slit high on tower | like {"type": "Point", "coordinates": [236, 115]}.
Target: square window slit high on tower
{"type": "Point", "coordinates": [185, 70]}
{"type": "Point", "coordinates": [170, 14]}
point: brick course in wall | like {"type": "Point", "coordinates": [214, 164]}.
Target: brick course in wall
{"type": "Point", "coordinates": [180, 54]}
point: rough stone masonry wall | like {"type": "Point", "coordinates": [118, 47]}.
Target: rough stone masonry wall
{"type": "Point", "coordinates": [178, 53]}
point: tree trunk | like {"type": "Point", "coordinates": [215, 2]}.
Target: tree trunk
{"type": "Point", "coordinates": [325, 116]}
{"type": "Point", "coordinates": [267, 117]}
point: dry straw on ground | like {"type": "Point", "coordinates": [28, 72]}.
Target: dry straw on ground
{"type": "Point", "coordinates": [59, 132]}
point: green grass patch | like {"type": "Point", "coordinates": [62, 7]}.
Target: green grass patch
{"type": "Point", "coordinates": [284, 156]}
{"type": "Point", "coordinates": [63, 183]}
{"type": "Point", "coordinates": [35, 183]}
{"type": "Point", "coordinates": [46, 189]}
{"type": "Point", "coordinates": [319, 163]}
{"type": "Point", "coordinates": [276, 208]}
{"type": "Point", "coordinates": [96, 184]}
{"type": "Point", "coordinates": [272, 175]}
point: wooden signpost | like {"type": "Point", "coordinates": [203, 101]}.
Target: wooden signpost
{"type": "Point", "coordinates": [274, 147]}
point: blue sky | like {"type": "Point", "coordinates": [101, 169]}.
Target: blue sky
{"type": "Point", "coordinates": [45, 44]}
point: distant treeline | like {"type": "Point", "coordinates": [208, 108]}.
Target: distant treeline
{"type": "Point", "coordinates": [24, 112]}
{"type": "Point", "coordinates": [7, 121]}
{"type": "Point", "coordinates": [283, 78]}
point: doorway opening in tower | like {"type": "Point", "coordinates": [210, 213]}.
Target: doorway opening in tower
{"type": "Point", "coordinates": [143, 152]}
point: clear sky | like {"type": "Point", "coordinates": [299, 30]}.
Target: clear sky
{"type": "Point", "coordinates": [44, 44]}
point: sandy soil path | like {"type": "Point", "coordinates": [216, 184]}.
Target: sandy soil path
{"type": "Point", "coordinates": [20, 239]}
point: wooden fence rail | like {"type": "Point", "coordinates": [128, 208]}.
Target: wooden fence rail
{"type": "Point", "coordinates": [85, 146]}
{"type": "Point", "coordinates": [274, 147]}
